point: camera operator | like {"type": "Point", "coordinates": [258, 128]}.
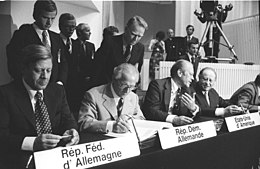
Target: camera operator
{"type": "Point", "coordinates": [218, 14]}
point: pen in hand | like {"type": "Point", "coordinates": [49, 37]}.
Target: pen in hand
{"type": "Point", "coordinates": [29, 161]}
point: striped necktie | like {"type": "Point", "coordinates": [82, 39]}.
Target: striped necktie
{"type": "Point", "coordinates": [120, 106]}
{"type": "Point", "coordinates": [127, 54]}
{"type": "Point", "coordinates": [43, 123]}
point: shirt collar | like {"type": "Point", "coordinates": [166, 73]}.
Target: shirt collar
{"type": "Point", "coordinates": [30, 91]}
{"type": "Point", "coordinates": [174, 86]}
{"type": "Point", "coordinates": [64, 38]}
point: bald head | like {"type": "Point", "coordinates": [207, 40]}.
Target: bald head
{"type": "Point", "coordinates": [182, 73]}
{"type": "Point", "coordinates": [207, 78]}
{"type": "Point", "coordinates": [125, 78]}
{"type": "Point", "coordinates": [170, 33]}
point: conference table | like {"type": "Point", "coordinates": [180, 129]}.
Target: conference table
{"type": "Point", "coordinates": [227, 150]}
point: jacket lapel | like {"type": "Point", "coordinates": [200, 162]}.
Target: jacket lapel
{"type": "Point", "coordinates": [167, 93]}
{"type": "Point", "coordinates": [24, 104]}
{"type": "Point", "coordinates": [109, 102]}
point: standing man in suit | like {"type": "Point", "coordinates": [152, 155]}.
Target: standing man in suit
{"type": "Point", "coordinates": [44, 13]}
{"type": "Point", "coordinates": [34, 112]}
{"type": "Point", "coordinates": [192, 56]}
{"type": "Point", "coordinates": [170, 99]}
{"type": "Point", "coordinates": [104, 107]}
{"type": "Point", "coordinates": [248, 95]}
{"type": "Point", "coordinates": [207, 98]}
{"type": "Point", "coordinates": [189, 37]}
{"type": "Point", "coordinates": [170, 46]}
{"type": "Point", "coordinates": [124, 48]}
{"type": "Point", "coordinates": [81, 67]}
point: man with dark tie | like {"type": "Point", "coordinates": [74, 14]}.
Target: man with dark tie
{"type": "Point", "coordinates": [171, 99]}
{"type": "Point", "coordinates": [103, 108]}
{"type": "Point", "coordinates": [81, 67]}
{"type": "Point", "coordinates": [207, 98]}
{"type": "Point", "coordinates": [189, 37]}
{"type": "Point", "coordinates": [44, 13]}
{"type": "Point", "coordinates": [192, 56]}
{"type": "Point", "coordinates": [34, 113]}
{"type": "Point", "coordinates": [124, 48]}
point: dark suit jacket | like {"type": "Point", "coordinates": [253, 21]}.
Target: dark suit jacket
{"type": "Point", "coordinates": [157, 100]}
{"type": "Point", "coordinates": [18, 121]}
{"type": "Point", "coordinates": [110, 55]}
{"type": "Point", "coordinates": [195, 64]}
{"type": "Point", "coordinates": [215, 101]}
{"type": "Point", "coordinates": [27, 35]}
{"type": "Point", "coordinates": [193, 39]}
{"type": "Point", "coordinates": [248, 96]}
{"type": "Point", "coordinates": [80, 74]}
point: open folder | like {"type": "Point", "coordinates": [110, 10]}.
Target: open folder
{"type": "Point", "coordinates": [144, 129]}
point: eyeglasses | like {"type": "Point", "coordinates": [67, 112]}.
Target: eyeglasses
{"type": "Point", "coordinates": [125, 86]}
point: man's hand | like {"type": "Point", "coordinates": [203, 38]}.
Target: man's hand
{"type": "Point", "coordinates": [182, 120]}
{"type": "Point", "coordinates": [232, 110]}
{"type": "Point", "coordinates": [188, 101]}
{"type": "Point", "coordinates": [74, 139]}
{"type": "Point", "coordinates": [46, 141]}
{"type": "Point", "coordinates": [121, 125]}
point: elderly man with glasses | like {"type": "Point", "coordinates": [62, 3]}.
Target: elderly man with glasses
{"type": "Point", "coordinates": [104, 107]}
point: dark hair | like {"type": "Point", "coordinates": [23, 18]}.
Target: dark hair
{"type": "Point", "coordinates": [160, 35]}
{"type": "Point", "coordinates": [191, 43]}
{"type": "Point", "coordinates": [65, 17]}
{"type": "Point", "coordinates": [139, 20]}
{"type": "Point", "coordinates": [109, 31]}
{"type": "Point", "coordinates": [33, 53]}
{"type": "Point", "coordinates": [257, 80]}
{"type": "Point", "coordinates": [43, 5]}
{"type": "Point", "coordinates": [187, 27]}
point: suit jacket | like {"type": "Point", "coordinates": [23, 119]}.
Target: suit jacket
{"type": "Point", "coordinates": [195, 64]}
{"type": "Point", "coordinates": [110, 55]}
{"type": "Point", "coordinates": [170, 48]}
{"type": "Point", "coordinates": [98, 107]}
{"type": "Point", "coordinates": [248, 96]}
{"type": "Point", "coordinates": [18, 121]}
{"type": "Point", "coordinates": [27, 35]}
{"type": "Point", "coordinates": [193, 39]}
{"type": "Point", "coordinates": [157, 100]}
{"type": "Point", "coordinates": [215, 101]}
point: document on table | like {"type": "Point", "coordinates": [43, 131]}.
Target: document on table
{"type": "Point", "coordinates": [145, 129]}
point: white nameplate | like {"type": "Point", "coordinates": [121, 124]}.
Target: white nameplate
{"type": "Point", "coordinates": [243, 121]}
{"type": "Point", "coordinates": [186, 134]}
{"type": "Point", "coordinates": [88, 154]}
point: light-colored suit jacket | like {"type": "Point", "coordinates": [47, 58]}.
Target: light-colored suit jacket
{"type": "Point", "coordinates": [98, 107]}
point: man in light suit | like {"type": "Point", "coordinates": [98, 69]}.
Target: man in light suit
{"type": "Point", "coordinates": [44, 14]}
{"type": "Point", "coordinates": [171, 99]}
{"type": "Point", "coordinates": [207, 98]}
{"type": "Point", "coordinates": [124, 48]}
{"type": "Point", "coordinates": [104, 107]}
{"type": "Point", "coordinates": [20, 131]}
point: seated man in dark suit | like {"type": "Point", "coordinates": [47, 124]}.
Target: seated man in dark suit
{"type": "Point", "coordinates": [209, 101]}
{"type": "Point", "coordinates": [34, 112]}
{"type": "Point", "coordinates": [124, 48]}
{"type": "Point", "coordinates": [104, 107]}
{"type": "Point", "coordinates": [44, 13]}
{"type": "Point", "coordinates": [171, 99]}
{"type": "Point", "coordinates": [248, 95]}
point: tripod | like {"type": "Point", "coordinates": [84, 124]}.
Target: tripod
{"type": "Point", "coordinates": [210, 41]}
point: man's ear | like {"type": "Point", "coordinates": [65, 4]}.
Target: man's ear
{"type": "Point", "coordinates": [179, 73]}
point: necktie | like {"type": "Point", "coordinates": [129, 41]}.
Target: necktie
{"type": "Point", "coordinates": [127, 54]}
{"type": "Point", "coordinates": [43, 123]}
{"type": "Point", "coordinates": [177, 104]}
{"type": "Point", "coordinates": [120, 106]}
{"type": "Point", "coordinates": [192, 59]}
{"type": "Point", "coordinates": [207, 97]}
{"type": "Point", "coordinates": [45, 39]}
{"type": "Point", "coordinates": [68, 45]}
